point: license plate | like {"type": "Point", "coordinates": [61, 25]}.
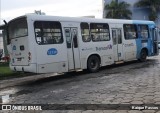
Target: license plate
{"type": "Point", "coordinates": [19, 59]}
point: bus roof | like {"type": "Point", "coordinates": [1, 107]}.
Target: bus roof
{"type": "Point", "coordinates": [82, 19]}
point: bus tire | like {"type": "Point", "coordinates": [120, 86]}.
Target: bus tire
{"type": "Point", "coordinates": [143, 55]}
{"type": "Point", "coordinates": [93, 64]}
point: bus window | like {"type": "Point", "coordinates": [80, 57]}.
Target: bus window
{"type": "Point", "coordinates": [18, 28]}
{"type": "Point", "coordinates": [119, 36]}
{"type": "Point", "coordinates": [99, 32]}
{"type": "Point", "coordinates": [154, 33]}
{"type": "Point", "coordinates": [114, 36]}
{"type": "Point", "coordinates": [144, 32]}
{"type": "Point", "coordinates": [85, 32]}
{"type": "Point", "coordinates": [48, 32]}
{"type": "Point", "coordinates": [68, 37]}
{"type": "Point", "coordinates": [130, 31]}
{"type": "Point", "coordinates": [75, 39]}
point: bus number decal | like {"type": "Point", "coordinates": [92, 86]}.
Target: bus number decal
{"type": "Point", "coordinates": [52, 51]}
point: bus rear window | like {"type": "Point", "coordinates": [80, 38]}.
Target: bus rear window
{"type": "Point", "coordinates": [18, 28]}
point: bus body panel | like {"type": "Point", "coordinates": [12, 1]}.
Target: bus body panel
{"type": "Point", "coordinates": [53, 67]}
{"type": "Point", "coordinates": [51, 63]}
{"type": "Point", "coordinates": [19, 51]}
{"type": "Point", "coordinates": [129, 46]}
{"type": "Point", "coordinates": [124, 49]}
{"type": "Point", "coordinates": [32, 45]}
{"type": "Point", "coordinates": [30, 68]}
{"type": "Point", "coordinates": [51, 57]}
{"type": "Point", "coordinates": [130, 49]}
{"type": "Point", "coordinates": [104, 50]}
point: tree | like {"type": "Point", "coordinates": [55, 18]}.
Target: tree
{"type": "Point", "coordinates": [153, 5]}
{"type": "Point", "coordinates": [118, 10]}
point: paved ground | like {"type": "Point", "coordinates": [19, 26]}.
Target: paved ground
{"type": "Point", "coordinates": [129, 83]}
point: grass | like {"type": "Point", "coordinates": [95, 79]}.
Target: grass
{"type": "Point", "coordinates": [5, 70]}
{"type": "Point", "coordinates": [6, 73]}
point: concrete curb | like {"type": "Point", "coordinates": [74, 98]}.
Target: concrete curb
{"type": "Point", "coordinates": [22, 80]}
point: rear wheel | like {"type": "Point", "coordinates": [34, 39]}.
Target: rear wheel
{"type": "Point", "coordinates": [143, 55]}
{"type": "Point", "coordinates": [93, 64]}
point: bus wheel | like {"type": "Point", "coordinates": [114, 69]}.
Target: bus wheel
{"type": "Point", "coordinates": [143, 55]}
{"type": "Point", "coordinates": [93, 64]}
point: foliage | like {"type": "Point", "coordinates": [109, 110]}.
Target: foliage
{"type": "Point", "coordinates": [6, 73]}
{"type": "Point", "coordinates": [152, 16]}
{"type": "Point", "coordinates": [118, 10]}
{"type": "Point", "coordinates": [153, 5]}
{"type": "Point", "coordinates": [4, 69]}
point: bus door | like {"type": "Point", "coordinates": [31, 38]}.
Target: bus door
{"type": "Point", "coordinates": [117, 44]}
{"type": "Point", "coordinates": [71, 34]}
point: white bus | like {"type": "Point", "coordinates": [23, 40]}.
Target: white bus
{"type": "Point", "coordinates": [45, 44]}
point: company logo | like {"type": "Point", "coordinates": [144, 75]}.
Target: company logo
{"type": "Point", "coordinates": [85, 49]}
{"type": "Point", "coordinates": [6, 107]}
{"type": "Point", "coordinates": [104, 48]}
{"type": "Point", "coordinates": [129, 45]}
{"type": "Point", "coordinates": [14, 47]}
{"type": "Point", "coordinates": [52, 51]}
{"type": "Point", "coordinates": [20, 107]}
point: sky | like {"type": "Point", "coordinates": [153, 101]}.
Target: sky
{"type": "Point", "coordinates": [10, 9]}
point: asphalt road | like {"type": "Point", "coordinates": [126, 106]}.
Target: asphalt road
{"type": "Point", "coordinates": [124, 84]}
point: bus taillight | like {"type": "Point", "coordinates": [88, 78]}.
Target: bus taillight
{"type": "Point", "coordinates": [29, 56]}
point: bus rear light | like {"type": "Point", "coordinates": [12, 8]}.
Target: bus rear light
{"type": "Point", "coordinates": [29, 56]}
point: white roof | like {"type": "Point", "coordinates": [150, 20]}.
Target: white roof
{"type": "Point", "coordinates": [81, 19]}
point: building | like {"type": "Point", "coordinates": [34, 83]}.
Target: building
{"type": "Point", "coordinates": [137, 13]}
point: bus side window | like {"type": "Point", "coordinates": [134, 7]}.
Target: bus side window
{"type": "Point", "coordinates": [85, 32]}
{"type": "Point", "coordinates": [38, 34]}
{"type": "Point", "coordinates": [119, 36]}
{"type": "Point", "coordinates": [74, 36]}
{"type": "Point", "coordinates": [75, 41]}
{"type": "Point", "coordinates": [130, 31]}
{"type": "Point", "coordinates": [93, 36]}
{"type": "Point", "coordinates": [114, 37]}
{"type": "Point", "coordinates": [144, 32]}
{"type": "Point", "coordinates": [48, 32]}
{"type": "Point", "coordinates": [99, 32]}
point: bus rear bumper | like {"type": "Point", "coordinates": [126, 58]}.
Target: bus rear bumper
{"type": "Point", "coordinates": [30, 68]}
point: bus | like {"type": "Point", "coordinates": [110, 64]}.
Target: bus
{"type": "Point", "coordinates": [51, 44]}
